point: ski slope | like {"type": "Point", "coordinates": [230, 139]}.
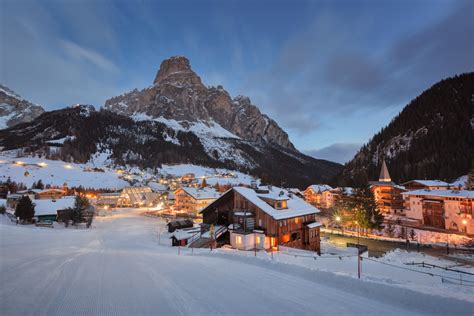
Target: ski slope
{"type": "Point", "coordinates": [118, 268]}
{"type": "Point", "coordinates": [57, 172]}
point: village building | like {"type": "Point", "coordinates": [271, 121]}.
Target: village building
{"type": "Point", "coordinates": [441, 209]}
{"type": "Point", "coordinates": [34, 194]}
{"type": "Point", "coordinates": [46, 210]}
{"type": "Point", "coordinates": [314, 195]}
{"type": "Point", "coordinates": [179, 224]}
{"type": "Point", "coordinates": [137, 197]}
{"type": "Point", "coordinates": [426, 184]}
{"type": "Point", "coordinates": [193, 200]}
{"type": "Point", "coordinates": [388, 195]}
{"type": "Point", "coordinates": [108, 199]}
{"type": "Point", "coordinates": [265, 217]}
{"type": "Point", "coordinates": [39, 194]}
{"type": "Point", "coordinates": [182, 237]}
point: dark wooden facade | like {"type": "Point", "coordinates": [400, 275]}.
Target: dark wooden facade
{"type": "Point", "coordinates": [291, 232]}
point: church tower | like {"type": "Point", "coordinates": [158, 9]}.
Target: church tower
{"type": "Point", "coordinates": [384, 175]}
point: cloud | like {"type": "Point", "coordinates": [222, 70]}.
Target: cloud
{"type": "Point", "coordinates": [338, 152]}
{"type": "Point", "coordinates": [81, 53]}
{"type": "Point", "coordinates": [43, 66]}
{"type": "Point", "coordinates": [347, 62]}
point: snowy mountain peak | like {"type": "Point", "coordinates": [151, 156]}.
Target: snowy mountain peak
{"type": "Point", "coordinates": [177, 70]}
{"type": "Point", "coordinates": [179, 95]}
{"type": "Point", "coordinates": [14, 109]}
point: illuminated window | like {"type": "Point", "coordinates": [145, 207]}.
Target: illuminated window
{"type": "Point", "coordinates": [257, 239]}
{"type": "Point", "coordinates": [296, 220]}
{"type": "Point", "coordinates": [239, 240]}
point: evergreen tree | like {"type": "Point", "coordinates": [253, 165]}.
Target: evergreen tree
{"type": "Point", "coordinates": [402, 233]}
{"type": "Point", "coordinates": [470, 177]}
{"type": "Point", "coordinates": [203, 183]}
{"type": "Point", "coordinates": [365, 208]}
{"type": "Point", "coordinates": [25, 209]}
{"type": "Point", "coordinates": [39, 185]}
{"type": "Point", "coordinates": [81, 204]}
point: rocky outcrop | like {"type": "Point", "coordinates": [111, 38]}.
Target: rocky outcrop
{"type": "Point", "coordinates": [178, 93]}
{"type": "Point", "coordinates": [15, 110]}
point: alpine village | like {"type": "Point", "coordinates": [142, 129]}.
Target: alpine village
{"type": "Point", "coordinates": [179, 198]}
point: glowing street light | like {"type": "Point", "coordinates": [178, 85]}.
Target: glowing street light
{"type": "Point", "coordinates": [464, 222]}
{"type": "Point", "coordinates": [338, 218]}
{"type": "Point", "coordinates": [42, 164]}
{"type": "Point", "coordinates": [19, 163]}
{"type": "Point", "coordinates": [68, 167]}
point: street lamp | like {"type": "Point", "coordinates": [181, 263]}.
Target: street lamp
{"type": "Point", "coordinates": [464, 222]}
{"type": "Point", "coordinates": [338, 220]}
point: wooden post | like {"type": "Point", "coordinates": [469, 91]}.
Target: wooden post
{"type": "Point", "coordinates": [358, 263]}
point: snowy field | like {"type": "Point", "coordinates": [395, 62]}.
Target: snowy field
{"type": "Point", "coordinates": [119, 268]}
{"type": "Point", "coordinates": [56, 172]}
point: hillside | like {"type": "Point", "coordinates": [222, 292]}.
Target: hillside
{"type": "Point", "coordinates": [79, 133]}
{"type": "Point", "coordinates": [432, 137]}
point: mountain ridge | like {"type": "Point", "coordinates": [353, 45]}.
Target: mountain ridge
{"type": "Point", "coordinates": [431, 138]}
{"type": "Point", "coordinates": [14, 109]}
{"type": "Point", "coordinates": [75, 134]}
{"type": "Point", "coordinates": [178, 93]}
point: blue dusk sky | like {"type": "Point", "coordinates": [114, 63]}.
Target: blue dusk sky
{"type": "Point", "coordinates": [331, 73]}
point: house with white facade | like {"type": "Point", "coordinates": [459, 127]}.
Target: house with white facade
{"type": "Point", "coordinates": [441, 209]}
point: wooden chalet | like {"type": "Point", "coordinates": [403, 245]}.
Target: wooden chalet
{"type": "Point", "coordinates": [264, 217]}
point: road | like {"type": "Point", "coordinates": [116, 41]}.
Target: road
{"type": "Point", "coordinates": [378, 247]}
{"type": "Point", "coordinates": [118, 268]}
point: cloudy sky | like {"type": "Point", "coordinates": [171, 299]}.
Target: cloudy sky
{"type": "Point", "coordinates": [331, 73]}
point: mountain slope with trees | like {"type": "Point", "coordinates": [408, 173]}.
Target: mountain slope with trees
{"type": "Point", "coordinates": [431, 138]}
{"type": "Point", "coordinates": [76, 134]}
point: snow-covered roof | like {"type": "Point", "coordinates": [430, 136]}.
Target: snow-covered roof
{"type": "Point", "coordinates": [186, 233]}
{"type": "Point", "coordinates": [38, 191]}
{"type": "Point", "coordinates": [157, 187]}
{"type": "Point", "coordinates": [347, 190]}
{"type": "Point", "coordinates": [444, 193]}
{"type": "Point", "coordinates": [314, 225]}
{"type": "Point", "coordinates": [319, 187]}
{"type": "Point", "coordinates": [428, 183]}
{"type": "Point", "coordinates": [48, 207]}
{"type": "Point", "coordinates": [295, 205]}
{"type": "Point", "coordinates": [295, 190]}
{"type": "Point", "coordinates": [461, 181]}
{"type": "Point", "coordinates": [111, 194]}
{"type": "Point", "coordinates": [202, 193]}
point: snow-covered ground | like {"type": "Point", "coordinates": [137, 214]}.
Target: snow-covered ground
{"type": "Point", "coordinates": [119, 267]}
{"type": "Point", "coordinates": [56, 172]}
{"type": "Point", "coordinates": [209, 173]}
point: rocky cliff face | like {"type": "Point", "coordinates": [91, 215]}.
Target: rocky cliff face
{"type": "Point", "coordinates": [179, 94]}
{"type": "Point", "coordinates": [14, 109]}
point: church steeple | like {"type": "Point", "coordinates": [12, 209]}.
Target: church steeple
{"type": "Point", "coordinates": [384, 175]}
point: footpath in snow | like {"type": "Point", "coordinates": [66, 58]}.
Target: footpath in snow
{"type": "Point", "coordinates": [119, 268]}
